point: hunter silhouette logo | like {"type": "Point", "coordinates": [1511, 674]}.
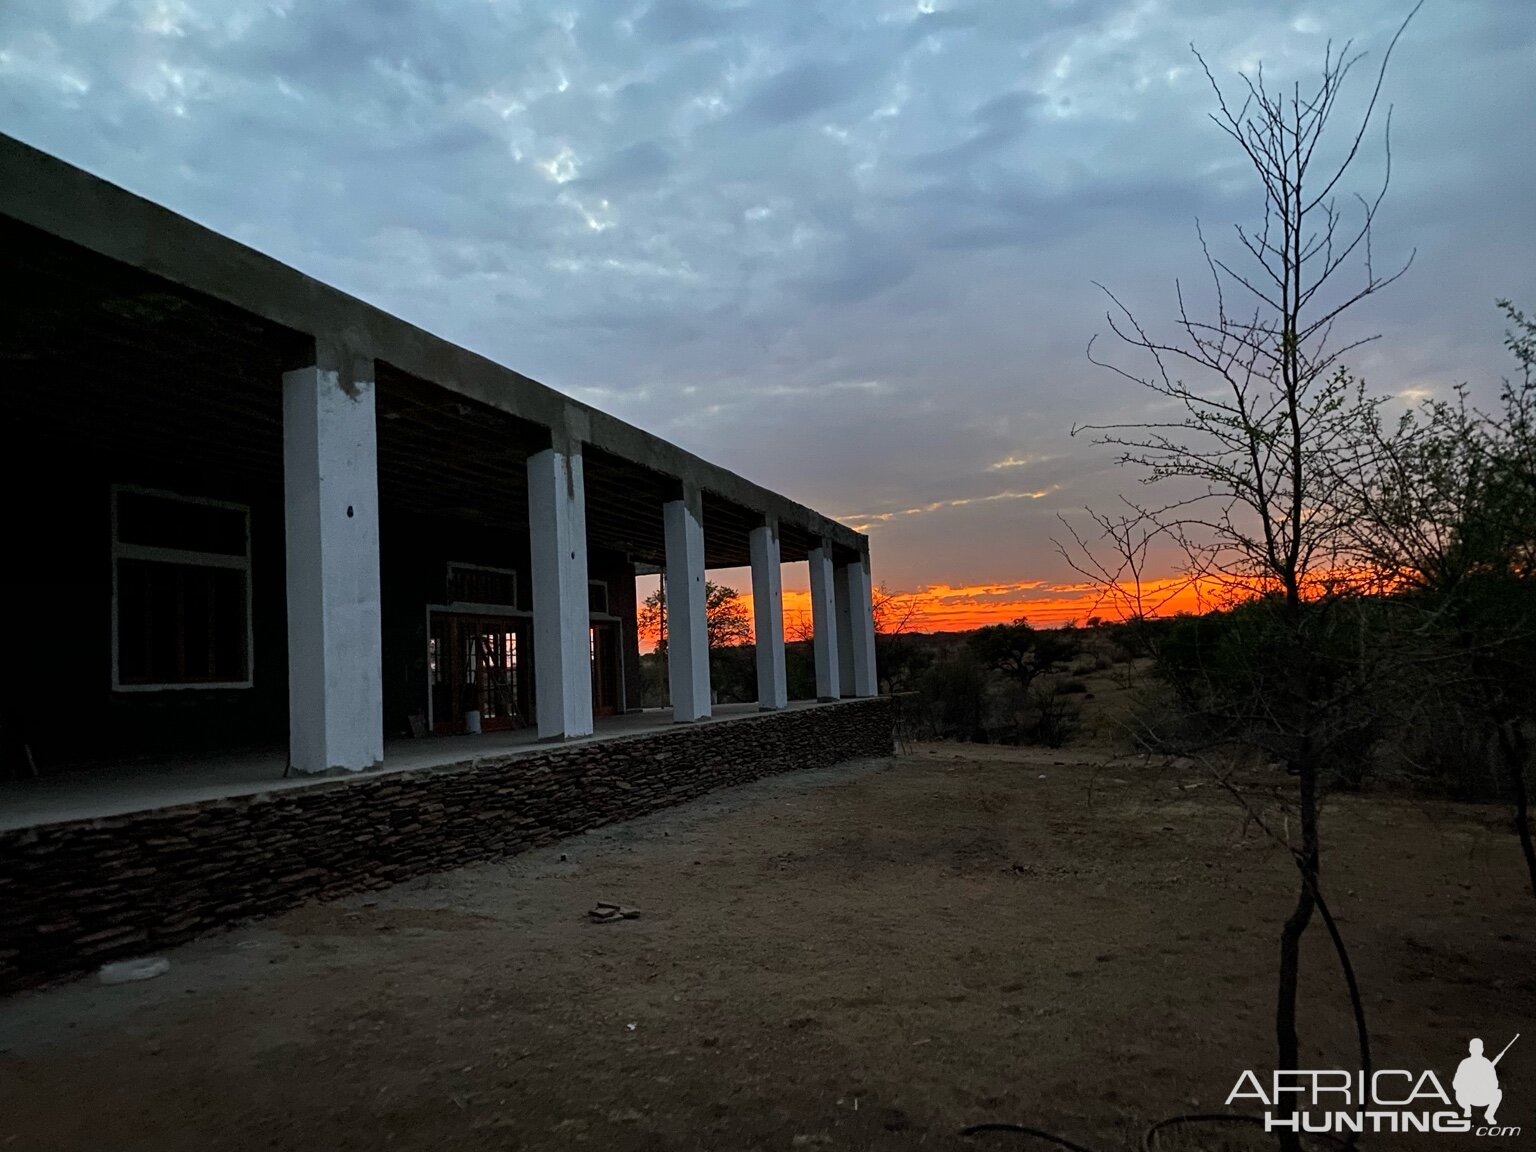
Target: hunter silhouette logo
{"type": "Point", "coordinates": [1332, 1100]}
{"type": "Point", "coordinates": [1477, 1081]}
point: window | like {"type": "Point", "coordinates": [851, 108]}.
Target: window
{"type": "Point", "coordinates": [475, 584]}
{"type": "Point", "coordinates": [597, 597]}
{"type": "Point", "coordinates": [181, 601]}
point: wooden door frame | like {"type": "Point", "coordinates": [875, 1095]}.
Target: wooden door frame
{"type": "Point", "coordinates": [613, 629]}
{"type": "Point", "coordinates": [471, 610]}
{"type": "Point", "coordinates": [622, 693]}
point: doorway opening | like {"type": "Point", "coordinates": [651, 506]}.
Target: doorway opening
{"type": "Point", "coordinates": [607, 668]}
{"type": "Point", "coordinates": [480, 672]}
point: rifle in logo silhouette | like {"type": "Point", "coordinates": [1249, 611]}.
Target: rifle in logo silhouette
{"type": "Point", "coordinates": [1505, 1049]}
{"type": "Point", "coordinates": [1477, 1083]}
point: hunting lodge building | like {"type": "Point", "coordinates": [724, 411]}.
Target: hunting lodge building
{"type": "Point", "coordinates": [257, 509]}
{"type": "Point", "coordinates": [247, 511]}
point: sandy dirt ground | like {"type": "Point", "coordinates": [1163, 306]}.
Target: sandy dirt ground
{"type": "Point", "coordinates": [873, 956]}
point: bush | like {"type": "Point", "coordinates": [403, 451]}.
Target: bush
{"type": "Point", "coordinates": [800, 670]}
{"type": "Point", "coordinates": [653, 681]}
{"type": "Point", "coordinates": [1056, 719]}
{"type": "Point", "coordinates": [1443, 748]}
{"type": "Point", "coordinates": [1191, 653]}
{"type": "Point", "coordinates": [952, 699]}
{"type": "Point", "coordinates": [733, 674]}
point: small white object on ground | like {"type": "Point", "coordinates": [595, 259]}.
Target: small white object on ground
{"type": "Point", "coordinates": [127, 971]}
{"type": "Point", "coordinates": [607, 913]}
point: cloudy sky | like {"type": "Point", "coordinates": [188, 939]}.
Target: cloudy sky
{"type": "Point", "coordinates": [845, 247]}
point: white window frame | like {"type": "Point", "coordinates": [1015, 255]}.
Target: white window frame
{"type": "Point", "coordinates": [121, 551]}
{"type": "Point", "coordinates": [602, 613]}
{"type": "Point", "coordinates": [484, 609]}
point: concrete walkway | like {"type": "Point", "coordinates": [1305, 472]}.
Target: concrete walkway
{"type": "Point", "coordinates": [139, 785]}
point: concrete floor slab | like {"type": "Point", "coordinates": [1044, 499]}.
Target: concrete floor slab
{"type": "Point", "coordinates": [112, 789]}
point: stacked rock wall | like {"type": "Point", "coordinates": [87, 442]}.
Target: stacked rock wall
{"type": "Point", "coordinates": [75, 894]}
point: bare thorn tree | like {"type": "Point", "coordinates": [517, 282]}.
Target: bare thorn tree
{"type": "Point", "coordinates": [895, 612]}
{"type": "Point", "coordinates": [1268, 418]}
{"type": "Point", "coordinates": [1266, 423]}
{"type": "Point", "coordinates": [1118, 562]}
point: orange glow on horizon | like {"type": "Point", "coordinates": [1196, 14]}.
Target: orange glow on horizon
{"type": "Point", "coordinates": [950, 608]}
{"type": "Point", "coordinates": [946, 608]}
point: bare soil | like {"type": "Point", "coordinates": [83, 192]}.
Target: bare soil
{"type": "Point", "coordinates": [873, 956]}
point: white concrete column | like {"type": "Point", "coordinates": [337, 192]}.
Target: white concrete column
{"type": "Point", "coordinates": [843, 595]}
{"type": "Point", "coordinates": [331, 521]}
{"type": "Point", "coordinates": [768, 617]}
{"type": "Point", "coordinates": [824, 622]}
{"type": "Point", "coordinates": [861, 602]}
{"type": "Point", "coordinates": [562, 644]}
{"type": "Point", "coordinates": [687, 622]}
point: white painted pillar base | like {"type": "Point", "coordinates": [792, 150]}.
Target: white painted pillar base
{"type": "Point", "coordinates": [824, 622]}
{"type": "Point", "coordinates": [861, 601]}
{"type": "Point", "coordinates": [768, 618]}
{"type": "Point", "coordinates": [562, 644]}
{"type": "Point", "coordinates": [844, 595]}
{"type": "Point", "coordinates": [331, 522]}
{"type": "Point", "coordinates": [687, 622]}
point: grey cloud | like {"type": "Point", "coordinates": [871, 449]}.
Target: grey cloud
{"type": "Point", "coordinates": [800, 90]}
{"type": "Point", "coordinates": [846, 248]}
{"type": "Point", "coordinates": [1016, 23]}
{"type": "Point", "coordinates": [999, 123]}
{"type": "Point", "coordinates": [646, 161]}
{"type": "Point", "coordinates": [683, 21]}
{"type": "Point", "coordinates": [860, 267]}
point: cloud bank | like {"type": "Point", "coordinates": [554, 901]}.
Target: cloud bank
{"type": "Point", "coordinates": [844, 249]}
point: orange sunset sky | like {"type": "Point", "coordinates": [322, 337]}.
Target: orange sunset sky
{"type": "Point", "coordinates": [949, 608]}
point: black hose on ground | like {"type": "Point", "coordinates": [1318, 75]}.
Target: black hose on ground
{"type": "Point", "coordinates": [1149, 1139]}
{"type": "Point", "coordinates": [1024, 1129]}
